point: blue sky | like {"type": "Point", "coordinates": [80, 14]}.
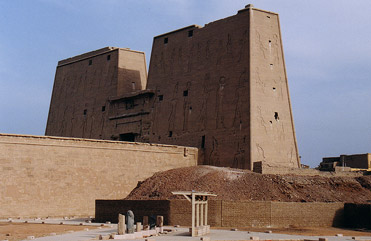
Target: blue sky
{"type": "Point", "coordinates": [327, 48]}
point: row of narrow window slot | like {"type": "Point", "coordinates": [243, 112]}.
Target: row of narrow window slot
{"type": "Point", "coordinates": [108, 59]}
{"type": "Point", "coordinates": [103, 110]}
{"type": "Point", "coordinates": [190, 34]}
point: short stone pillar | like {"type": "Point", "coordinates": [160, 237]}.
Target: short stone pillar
{"type": "Point", "coordinates": [121, 227]}
{"type": "Point", "coordinates": [152, 222]}
{"type": "Point", "coordinates": [138, 227]}
{"type": "Point", "coordinates": [130, 222]}
{"type": "Point", "coordinates": [145, 223]}
{"type": "Point", "coordinates": [160, 221]}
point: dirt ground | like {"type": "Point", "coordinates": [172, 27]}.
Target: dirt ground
{"type": "Point", "coordinates": [309, 231]}
{"type": "Point", "coordinates": [20, 231]}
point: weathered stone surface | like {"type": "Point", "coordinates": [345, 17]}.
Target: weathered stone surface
{"type": "Point", "coordinates": [130, 222]}
{"type": "Point", "coordinates": [222, 88]}
{"type": "Point", "coordinates": [121, 226]}
{"type": "Point", "coordinates": [51, 168]}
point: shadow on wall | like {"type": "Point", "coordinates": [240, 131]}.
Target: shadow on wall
{"type": "Point", "coordinates": [128, 80]}
{"type": "Point", "coordinates": [357, 215]}
{"type": "Point", "coordinates": [339, 219]}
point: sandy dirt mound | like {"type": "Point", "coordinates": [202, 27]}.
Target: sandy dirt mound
{"type": "Point", "coordinates": [236, 184]}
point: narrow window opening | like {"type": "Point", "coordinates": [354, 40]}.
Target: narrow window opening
{"type": "Point", "coordinates": [160, 97]}
{"type": "Point", "coordinates": [190, 107]}
{"type": "Point", "coordinates": [128, 137]}
{"type": "Point", "coordinates": [133, 85]}
{"type": "Point", "coordinates": [268, 17]}
{"type": "Point", "coordinates": [90, 62]}
{"type": "Point", "coordinates": [108, 57]}
{"type": "Point", "coordinates": [190, 33]}
{"type": "Point", "coordinates": [170, 133]}
{"type": "Point", "coordinates": [203, 142]}
{"type": "Point", "coordinates": [271, 65]}
{"type": "Point", "coordinates": [85, 111]}
{"type": "Point", "coordinates": [274, 88]}
{"type": "Point", "coordinates": [276, 117]}
{"type": "Point", "coordinates": [103, 108]}
{"type": "Point", "coordinates": [166, 40]}
{"type": "Point", "coordinates": [129, 104]}
{"type": "Point", "coordinates": [185, 93]}
{"type": "Point", "coordinates": [271, 122]}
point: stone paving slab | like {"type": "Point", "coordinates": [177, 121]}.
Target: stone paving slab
{"type": "Point", "coordinates": [178, 234]}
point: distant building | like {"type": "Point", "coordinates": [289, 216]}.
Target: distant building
{"type": "Point", "coordinates": [222, 88]}
{"type": "Point", "coordinates": [348, 162]}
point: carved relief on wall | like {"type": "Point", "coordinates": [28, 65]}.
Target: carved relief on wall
{"type": "Point", "coordinates": [239, 104]}
{"type": "Point", "coordinates": [261, 153]}
{"type": "Point", "coordinates": [204, 100]}
{"type": "Point", "coordinates": [260, 119]}
{"type": "Point", "coordinates": [214, 154]}
{"type": "Point", "coordinates": [173, 107]}
{"type": "Point", "coordinates": [186, 106]}
{"type": "Point", "coordinates": [220, 53]}
{"type": "Point", "coordinates": [229, 46]}
{"type": "Point", "coordinates": [239, 157]}
{"type": "Point", "coordinates": [162, 62]}
{"type": "Point", "coordinates": [207, 50]}
{"type": "Point", "coordinates": [262, 45]}
{"type": "Point", "coordinates": [276, 49]}
{"type": "Point", "coordinates": [219, 103]}
{"type": "Point", "coordinates": [258, 80]}
{"type": "Point", "coordinates": [243, 45]}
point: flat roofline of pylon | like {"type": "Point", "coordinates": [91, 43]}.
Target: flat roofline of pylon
{"type": "Point", "coordinates": [92, 54]}
{"type": "Point", "coordinates": [179, 30]}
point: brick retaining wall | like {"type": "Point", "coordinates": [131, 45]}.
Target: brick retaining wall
{"type": "Point", "coordinates": [231, 213]}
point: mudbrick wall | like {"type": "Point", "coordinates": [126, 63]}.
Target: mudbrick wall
{"type": "Point", "coordinates": [229, 213]}
{"type": "Point", "coordinates": [56, 177]}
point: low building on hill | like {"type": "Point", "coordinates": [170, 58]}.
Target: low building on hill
{"type": "Point", "coordinates": [354, 162]}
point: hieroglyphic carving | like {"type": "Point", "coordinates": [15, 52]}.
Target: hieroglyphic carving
{"type": "Point", "coordinates": [173, 106]}
{"type": "Point", "coordinates": [276, 49]}
{"type": "Point", "coordinates": [239, 157]}
{"type": "Point", "coordinates": [240, 92]}
{"type": "Point", "coordinates": [260, 118]}
{"type": "Point", "coordinates": [243, 45]}
{"type": "Point", "coordinates": [229, 46]}
{"type": "Point", "coordinates": [186, 108]}
{"type": "Point", "coordinates": [207, 50]}
{"type": "Point", "coordinates": [214, 154]}
{"type": "Point", "coordinates": [219, 103]}
{"type": "Point", "coordinates": [220, 53]}
{"type": "Point", "coordinates": [261, 152]}
{"type": "Point", "coordinates": [162, 62]}
{"type": "Point", "coordinates": [258, 80]}
{"type": "Point", "coordinates": [205, 97]}
{"type": "Point", "coordinates": [261, 44]}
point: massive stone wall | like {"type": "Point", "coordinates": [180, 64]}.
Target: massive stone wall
{"type": "Point", "coordinates": [273, 137]}
{"type": "Point", "coordinates": [49, 176]}
{"type": "Point", "coordinates": [83, 86]}
{"type": "Point", "coordinates": [230, 213]}
{"type": "Point", "coordinates": [221, 88]}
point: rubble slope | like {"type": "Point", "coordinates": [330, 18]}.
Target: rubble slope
{"type": "Point", "coordinates": [237, 184]}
